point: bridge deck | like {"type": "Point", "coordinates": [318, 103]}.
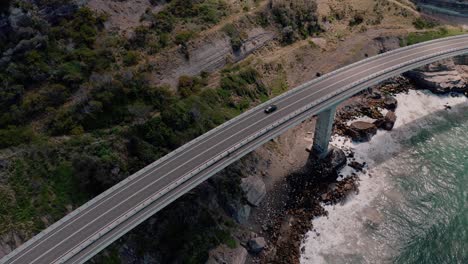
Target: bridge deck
{"type": "Point", "coordinates": [85, 232]}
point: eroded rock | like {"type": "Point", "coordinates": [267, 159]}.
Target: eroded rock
{"type": "Point", "coordinates": [440, 77]}
{"type": "Point", "coordinates": [361, 131]}
{"type": "Point", "coordinates": [224, 255]}
{"type": "Point", "coordinates": [254, 189]}
{"type": "Point", "coordinates": [387, 122]}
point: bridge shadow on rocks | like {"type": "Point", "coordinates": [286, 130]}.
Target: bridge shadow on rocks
{"type": "Point", "coordinates": [316, 183]}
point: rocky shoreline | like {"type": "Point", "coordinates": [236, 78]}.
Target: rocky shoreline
{"type": "Point", "coordinates": [319, 183]}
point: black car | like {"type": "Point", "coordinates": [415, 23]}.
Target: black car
{"type": "Point", "coordinates": [271, 109]}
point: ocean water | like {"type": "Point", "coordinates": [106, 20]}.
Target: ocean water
{"type": "Point", "coordinates": [413, 201]}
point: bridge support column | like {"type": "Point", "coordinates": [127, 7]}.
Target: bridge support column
{"type": "Point", "coordinates": [323, 130]}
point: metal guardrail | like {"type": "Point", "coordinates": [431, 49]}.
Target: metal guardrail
{"type": "Point", "coordinates": [252, 138]}
{"type": "Point", "coordinates": [224, 154]}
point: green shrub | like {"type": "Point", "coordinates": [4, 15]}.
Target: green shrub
{"type": "Point", "coordinates": [245, 82]}
{"type": "Point", "coordinates": [297, 17]}
{"type": "Point", "coordinates": [71, 72]}
{"type": "Point", "coordinates": [83, 28]}
{"type": "Point", "coordinates": [417, 37]}
{"type": "Point", "coordinates": [356, 20]}
{"type": "Point", "coordinates": [236, 37]}
{"type": "Point", "coordinates": [62, 123]}
{"type": "Point", "coordinates": [183, 37]}
{"type": "Point", "coordinates": [188, 86]}
{"type": "Point", "coordinates": [422, 23]}
{"type": "Point", "coordinates": [159, 96]}
{"type": "Point", "coordinates": [163, 22]}
{"type": "Point", "coordinates": [13, 136]}
{"type": "Point", "coordinates": [131, 58]}
{"type": "Point", "coordinates": [211, 11]}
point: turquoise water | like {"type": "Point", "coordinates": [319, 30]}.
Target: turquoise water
{"type": "Point", "coordinates": [428, 223]}
{"type": "Point", "coordinates": [412, 205]}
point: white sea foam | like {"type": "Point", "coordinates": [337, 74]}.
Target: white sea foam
{"type": "Point", "coordinates": [343, 236]}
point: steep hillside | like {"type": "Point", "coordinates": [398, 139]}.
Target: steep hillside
{"type": "Point", "coordinates": [92, 91]}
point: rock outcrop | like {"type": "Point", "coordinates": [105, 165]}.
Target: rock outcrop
{"type": "Point", "coordinates": [361, 131]}
{"type": "Point", "coordinates": [224, 255]}
{"type": "Point", "coordinates": [440, 77]}
{"type": "Point", "coordinates": [387, 122]}
{"type": "Point", "coordinates": [209, 54]}
{"type": "Point", "coordinates": [254, 189]}
{"type": "Point", "coordinates": [390, 103]}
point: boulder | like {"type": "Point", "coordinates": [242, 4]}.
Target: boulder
{"type": "Point", "coordinates": [225, 255]}
{"type": "Point", "coordinates": [254, 189]}
{"type": "Point", "coordinates": [387, 122]}
{"type": "Point", "coordinates": [390, 103]}
{"type": "Point", "coordinates": [239, 212]}
{"type": "Point", "coordinates": [361, 131]}
{"type": "Point", "coordinates": [337, 158]}
{"type": "Point", "coordinates": [256, 245]}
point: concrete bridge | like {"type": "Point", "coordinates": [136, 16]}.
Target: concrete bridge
{"type": "Point", "coordinates": [90, 228]}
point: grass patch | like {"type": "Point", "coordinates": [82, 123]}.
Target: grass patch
{"type": "Point", "coordinates": [417, 37]}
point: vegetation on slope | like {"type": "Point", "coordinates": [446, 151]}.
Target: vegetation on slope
{"type": "Point", "coordinates": [78, 112]}
{"type": "Point", "coordinates": [81, 115]}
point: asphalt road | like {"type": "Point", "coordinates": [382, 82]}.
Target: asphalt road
{"type": "Point", "coordinates": [87, 231]}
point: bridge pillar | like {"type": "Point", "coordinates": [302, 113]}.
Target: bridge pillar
{"type": "Point", "coordinates": [323, 130]}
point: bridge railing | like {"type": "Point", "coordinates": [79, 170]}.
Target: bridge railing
{"type": "Point", "coordinates": [260, 133]}
{"type": "Point", "coordinates": [209, 133]}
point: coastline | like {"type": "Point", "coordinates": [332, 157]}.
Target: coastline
{"type": "Point", "coordinates": [302, 216]}
{"type": "Point", "coordinates": [344, 225]}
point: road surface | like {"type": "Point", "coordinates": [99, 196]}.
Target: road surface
{"type": "Point", "coordinates": [89, 229]}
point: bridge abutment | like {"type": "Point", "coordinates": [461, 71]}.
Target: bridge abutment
{"type": "Point", "coordinates": [323, 131]}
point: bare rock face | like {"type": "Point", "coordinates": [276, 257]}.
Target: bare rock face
{"type": "Point", "coordinates": [224, 255]}
{"type": "Point", "coordinates": [387, 122]}
{"type": "Point", "coordinates": [439, 77]}
{"type": "Point", "coordinates": [361, 131]}
{"type": "Point", "coordinates": [210, 54]}
{"type": "Point", "coordinates": [254, 189]}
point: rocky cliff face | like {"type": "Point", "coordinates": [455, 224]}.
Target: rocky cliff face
{"type": "Point", "coordinates": [209, 54]}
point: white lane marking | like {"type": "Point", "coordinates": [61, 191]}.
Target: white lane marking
{"type": "Point", "coordinates": [227, 139]}
{"type": "Point", "coordinates": [249, 126]}
{"type": "Point", "coordinates": [49, 231]}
